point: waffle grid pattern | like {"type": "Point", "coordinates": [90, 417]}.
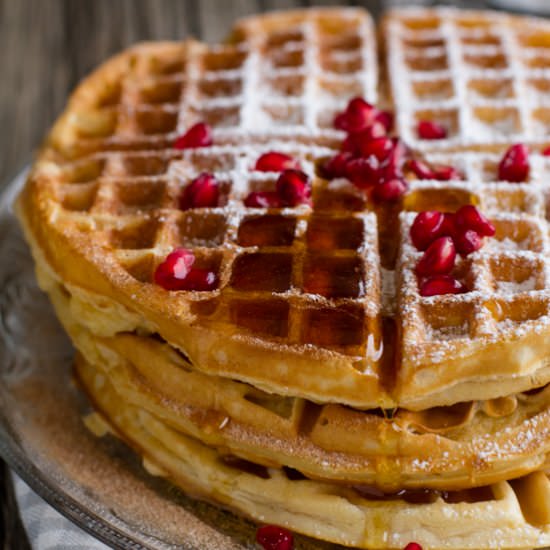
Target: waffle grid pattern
{"type": "Point", "coordinates": [281, 82]}
{"type": "Point", "coordinates": [294, 275]}
{"type": "Point", "coordinates": [483, 77]}
{"type": "Point", "coordinates": [508, 279]}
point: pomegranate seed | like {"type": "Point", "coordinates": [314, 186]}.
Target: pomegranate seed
{"type": "Point", "coordinates": [273, 537]}
{"type": "Point", "coordinates": [364, 172]}
{"type": "Point", "coordinates": [263, 199]}
{"type": "Point", "coordinates": [396, 159]}
{"type": "Point", "coordinates": [386, 119]}
{"type": "Point", "coordinates": [175, 274]}
{"type": "Point", "coordinates": [390, 190]}
{"type": "Point", "coordinates": [448, 228]}
{"type": "Point", "coordinates": [467, 242]}
{"type": "Point", "coordinates": [441, 173]}
{"type": "Point", "coordinates": [353, 142]}
{"type": "Point", "coordinates": [421, 169]}
{"type": "Point", "coordinates": [341, 121]}
{"type": "Point", "coordinates": [439, 284]}
{"type": "Point", "coordinates": [202, 192]}
{"type": "Point", "coordinates": [293, 187]}
{"type": "Point", "coordinates": [336, 166]}
{"type": "Point", "coordinates": [200, 279]}
{"type": "Point", "coordinates": [373, 131]}
{"type": "Point", "coordinates": [514, 165]}
{"type": "Point", "coordinates": [469, 217]}
{"type": "Point", "coordinates": [426, 228]}
{"type": "Point", "coordinates": [199, 135]}
{"type": "Point", "coordinates": [546, 152]}
{"type": "Point", "coordinates": [413, 546]}
{"type": "Point", "coordinates": [358, 115]}
{"type": "Point", "coordinates": [276, 162]}
{"type": "Point", "coordinates": [446, 173]}
{"type": "Point", "coordinates": [429, 129]}
{"type": "Point", "coordinates": [350, 145]}
{"type": "Point", "coordinates": [439, 258]}
{"type": "Point", "coordinates": [380, 147]}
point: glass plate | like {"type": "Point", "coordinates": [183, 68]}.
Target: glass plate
{"type": "Point", "coordinates": [97, 483]}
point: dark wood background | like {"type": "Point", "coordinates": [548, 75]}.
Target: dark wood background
{"type": "Point", "coordinates": [47, 46]}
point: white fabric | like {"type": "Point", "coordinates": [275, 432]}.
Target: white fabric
{"type": "Point", "coordinates": [46, 528]}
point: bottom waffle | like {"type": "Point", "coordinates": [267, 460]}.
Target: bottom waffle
{"type": "Point", "coordinates": [504, 515]}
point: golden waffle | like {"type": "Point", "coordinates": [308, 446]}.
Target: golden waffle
{"type": "Point", "coordinates": [502, 515]}
{"type": "Point", "coordinates": [487, 343]}
{"type": "Point", "coordinates": [468, 444]}
{"type": "Point", "coordinates": [483, 75]}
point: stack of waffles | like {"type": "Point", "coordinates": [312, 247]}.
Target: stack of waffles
{"type": "Point", "coordinates": [274, 332]}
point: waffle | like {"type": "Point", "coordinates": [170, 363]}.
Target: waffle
{"type": "Point", "coordinates": [461, 446]}
{"type": "Point", "coordinates": [116, 211]}
{"type": "Point", "coordinates": [483, 75]}
{"type": "Point", "coordinates": [501, 515]}
{"type": "Point", "coordinates": [493, 344]}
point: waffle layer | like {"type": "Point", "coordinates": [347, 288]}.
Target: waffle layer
{"type": "Point", "coordinates": [502, 515]}
{"type": "Point", "coordinates": [486, 343]}
{"type": "Point", "coordinates": [455, 447]}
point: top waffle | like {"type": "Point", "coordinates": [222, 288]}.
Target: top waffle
{"type": "Point", "coordinates": [315, 301]}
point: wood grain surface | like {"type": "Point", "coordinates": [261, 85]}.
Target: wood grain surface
{"type": "Point", "coordinates": [47, 46]}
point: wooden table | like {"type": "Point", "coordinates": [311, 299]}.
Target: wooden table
{"type": "Point", "coordinates": [47, 46]}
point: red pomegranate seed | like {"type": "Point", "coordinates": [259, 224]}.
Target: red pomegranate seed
{"type": "Point", "coordinates": [426, 228]}
{"type": "Point", "coordinates": [429, 129]}
{"type": "Point", "coordinates": [263, 199]}
{"type": "Point", "coordinates": [199, 135]}
{"type": "Point", "coordinates": [448, 228]}
{"type": "Point", "coordinates": [336, 166]}
{"type": "Point", "coordinates": [274, 161]}
{"type": "Point", "coordinates": [358, 115]}
{"type": "Point", "coordinates": [425, 172]}
{"type": "Point", "coordinates": [467, 242]}
{"type": "Point", "coordinates": [273, 537]}
{"type": "Point", "coordinates": [390, 190]}
{"type": "Point", "coordinates": [446, 173]}
{"type": "Point", "coordinates": [373, 131]}
{"type": "Point", "coordinates": [173, 271]}
{"type": "Point", "coordinates": [439, 258]}
{"type": "Point", "coordinates": [413, 546]}
{"type": "Point", "coordinates": [380, 147]}
{"type": "Point", "coordinates": [352, 143]}
{"type": "Point", "coordinates": [469, 217]}
{"type": "Point", "coordinates": [341, 121]}
{"type": "Point", "coordinates": [200, 279]}
{"type": "Point", "coordinates": [421, 169]}
{"type": "Point", "coordinates": [546, 151]}
{"type": "Point", "coordinates": [202, 192]}
{"type": "Point", "coordinates": [386, 119]}
{"type": "Point", "coordinates": [396, 159]}
{"type": "Point", "coordinates": [293, 187]}
{"type": "Point", "coordinates": [439, 284]}
{"type": "Point", "coordinates": [364, 172]}
{"type": "Point", "coordinates": [514, 165]}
